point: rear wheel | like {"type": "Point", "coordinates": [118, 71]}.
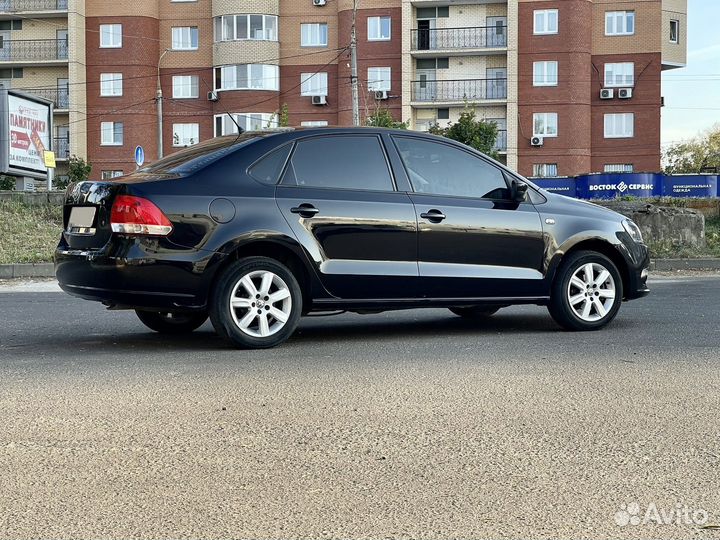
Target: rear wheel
{"type": "Point", "coordinates": [171, 322]}
{"type": "Point", "coordinates": [256, 303]}
{"type": "Point", "coordinates": [587, 292]}
{"type": "Point", "coordinates": [475, 312]}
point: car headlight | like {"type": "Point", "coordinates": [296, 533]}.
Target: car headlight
{"type": "Point", "coordinates": [633, 230]}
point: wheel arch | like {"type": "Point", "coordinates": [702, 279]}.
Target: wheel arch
{"type": "Point", "coordinates": [604, 247]}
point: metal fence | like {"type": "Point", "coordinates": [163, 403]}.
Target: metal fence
{"type": "Point", "coordinates": [459, 90]}
{"type": "Point", "coordinates": [61, 146]}
{"type": "Point", "coordinates": [10, 6]}
{"type": "Point", "coordinates": [33, 49]}
{"type": "Point", "coordinates": [60, 96]}
{"type": "Point", "coordinates": [477, 37]}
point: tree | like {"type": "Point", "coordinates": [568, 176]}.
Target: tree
{"type": "Point", "coordinates": [480, 134]}
{"type": "Point", "coordinates": [696, 155]}
{"type": "Point", "coordinates": [78, 171]}
{"type": "Point", "coordinates": [384, 118]}
{"type": "Point", "coordinates": [284, 120]}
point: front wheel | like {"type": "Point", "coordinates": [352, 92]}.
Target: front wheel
{"type": "Point", "coordinates": [171, 322]}
{"type": "Point", "coordinates": [587, 292]}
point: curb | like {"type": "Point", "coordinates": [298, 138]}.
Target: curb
{"type": "Point", "coordinates": [29, 270]}
{"type": "Point", "coordinates": [666, 265]}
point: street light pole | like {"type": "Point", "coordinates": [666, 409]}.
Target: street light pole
{"type": "Point", "coordinates": [354, 68]}
{"type": "Point", "coordinates": [159, 98]}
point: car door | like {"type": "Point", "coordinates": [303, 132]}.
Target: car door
{"type": "Point", "coordinates": [339, 197]}
{"type": "Point", "coordinates": [473, 241]}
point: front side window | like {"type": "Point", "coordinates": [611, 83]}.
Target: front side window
{"type": "Point", "coordinates": [619, 126]}
{"type": "Point", "coordinates": [314, 35]}
{"type": "Point", "coordinates": [441, 169]}
{"type": "Point", "coordinates": [111, 133]}
{"type": "Point", "coordinates": [224, 125]}
{"type": "Point", "coordinates": [186, 134]}
{"type": "Point", "coordinates": [545, 170]}
{"type": "Point", "coordinates": [379, 78]}
{"type": "Point", "coordinates": [379, 28]}
{"type": "Point", "coordinates": [545, 73]}
{"type": "Point", "coordinates": [674, 31]}
{"type": "Point", "coordinates": [619, 23]}
{"type": "Point", "coordinates": [244, 26]}
{"type": "Point", "coordinates": [185, 86]}
{"type": "Point", "coordinates": [247, 77]}
{"type": "Point", "coordinates": [111, 84]}
{"type": "Point", "coordinates": [340, 162]}
{"type": "Point", "coordinates": [545, 21]}
{"type": "Point", "coordinates": [314, 84]}
{"type": "Point", "coordinates": [110, 36]}
{"type": "Point", "coordinates": [618, 168]}
{"type": "Point", "coordinates": [545, 124]}
{"type": "Point", "coordinates": [184, 38]}
{"type": "Point", "coordinates": [620, 74]}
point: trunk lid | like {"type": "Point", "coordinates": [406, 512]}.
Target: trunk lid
{"type": "Point", "coordinates": [86, 213]}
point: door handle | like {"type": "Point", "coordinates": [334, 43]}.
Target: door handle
{"type": "Point", "coordinates": [435, 216]}
{"type": "Point", "coordinates": [305, 210]}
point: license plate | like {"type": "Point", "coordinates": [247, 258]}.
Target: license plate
{"type": "Point", "coordinates": [81, 219]}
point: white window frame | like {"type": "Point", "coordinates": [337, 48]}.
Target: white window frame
{"type": "Point", "coordinates": [314, 123]}
{"type": "Point", "coordinates": [263, 120]}
{"type": "Point", "coordinates": [109, 175]}
{"type": "Point", "coordinates": [375, 28]}
{"type": "Point", "coordinates": [613, 18]}
{"type": "Point", "coordinates": [619, 125]}
{"type": "Point", "coordinates": [676, 23]}
{"type": "Point", "coordinates": [541, 170]}
{"type": "Point", "coordinates": [625, 71]}
{"type": "Point", "coordinates": [314, 84]}
{"type": "Point", "coordinates": [111, 84]}
{"type": "Point", "coordinates": [379, 79]}
{"type": "Point", "coordinates": [618, 168]}
{"type": "Point", "coordinates": [185, 87]}
{"type": "Point", "coordinates": [177, 42]}
{"type": "Point", "coordinates": [113, 33]}
{"type": "Point", "coordinates": [270, 79]}
{"type": "Point", "coordinates": [187, 139]}
{"type": "Point", "coordinates": [268, 33]}
{"type": "Point", "coordinates": [546, 117]}
{"type": "Point", "coordinates": [108, 128]}
{"type": "Point", "coordinates": [545, 18]}
{"type": "Point", "coordinates": [311, 35]}
{"type": "Point", "coordinates": [541, 73]}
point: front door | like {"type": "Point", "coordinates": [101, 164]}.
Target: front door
{"type": "Point", "coordinates": [473, 242]}
{"type": "Point", "coordinates": [62, 44]}
{"type": "Point", "coordinates": [63, 94]}
{"type": "Point", "coordinates": [496, 81]}
{"type": "Point", "coordinates": [496, 28]}
{"type": "Point", "coordinates": [5, 45]}
{"type": "Point", "coordinates": [339, 198]}
{"type": "Point", "coordinates": [426, 86]}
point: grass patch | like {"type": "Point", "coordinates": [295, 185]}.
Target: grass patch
{"type": "Point", "coordinates": [28, 234]}
{"type": "Point", "coordinates": [671, 250]}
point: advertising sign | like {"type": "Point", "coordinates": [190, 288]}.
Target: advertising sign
{"type": "Point", "coordinates": [561, 186]}
{"type": "Point", "coordinates": [610, 186]}
{"type": "Point", "coordinates": [26, 123]}
{"type": "Point", "coordinates": [699, 185]}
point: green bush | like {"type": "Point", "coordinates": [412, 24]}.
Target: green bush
{"type": "Point", "coordinates": [7, 183]}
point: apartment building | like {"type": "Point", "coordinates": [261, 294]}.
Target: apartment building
{"type": "Point", "coordinates": [37, 56]}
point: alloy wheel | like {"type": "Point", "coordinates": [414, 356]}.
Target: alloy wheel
{"type": "Point", "coordinates": [591, 292]}
{"type": "Point", "coordinates": [260, 303]}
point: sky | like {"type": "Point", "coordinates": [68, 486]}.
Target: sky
{"type": "Point", "coordinates": [692, 93]}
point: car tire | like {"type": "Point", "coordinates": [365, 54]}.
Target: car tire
{"type": "Point", "coordinates": [171, 322]}
{"type": "Point", "coordinates": [587, 292]}
{"type": "Point", "coordinates": [251, 298]}
{"type": "Point", "coordinates": [475, 312]}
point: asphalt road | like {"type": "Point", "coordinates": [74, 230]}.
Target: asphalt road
{"type": "Point", "coordinates": [412, 424]}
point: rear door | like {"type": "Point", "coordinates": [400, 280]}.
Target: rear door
{"type": "Point", "coordinates": [339, 196]}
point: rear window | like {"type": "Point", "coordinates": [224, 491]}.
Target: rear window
{"type": "Point", "coordinates": [268, 168]}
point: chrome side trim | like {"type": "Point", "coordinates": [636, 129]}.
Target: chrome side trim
{"type": "Point", "coordinates": [353, 267]}
{"type": "Point", "coordinates": [432, 269]}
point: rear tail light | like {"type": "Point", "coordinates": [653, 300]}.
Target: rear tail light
{"type": "Point", "coordinates": [135, 215]}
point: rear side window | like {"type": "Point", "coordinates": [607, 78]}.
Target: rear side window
{"type": "Point", "coordinates": [340, 162]}
{"type": "Point", "coordinates": [267, 170]}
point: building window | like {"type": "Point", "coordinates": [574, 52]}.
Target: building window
{"type": "Point", "coordinates": [237, 27]}
{"type": "Point", "coordinates": [545, 21]}
{"type": "Point", "coordinates": [11, 73]}
{"type": "Point", "coordinates": [111, 133]}
{"type": "Point", "coordinates": [443, 114]}
{"type": "Point", "coordinates": [433, 13]}
{"type": "Point", "coordinates": [620, 74]}
{"type": "Point", "coordinates": [185, 86]}
{"type": "Point", "coordinates": [379, 78]}
{"type": "Point", "coordinates": [619, 23]}
{"type": "Point", "coordinates": [224, 125]}
{"type": "Point", "coordinates": [184, 38]}
{"type": "Point", "coordinates": [314, 84]}
{"type": "Point", "coordinates": [314, 35]}
{"type": "Point", "coordinates": [545, 124]}
{"type": "Point", "coordinates": [379, 28]}
{"type": "Point", "coordinates": [432, 63]}
{"type": "Point", "coordinates": [619, 126]}
{"type": "Point", "coordinates": [111, 84]}
{"type": "Point", "coordinates": [109, 175]}
{"type": "Point", "coordinates": [110, 36]}
{"type": "Point", "coordinates": [247, 77]}
{"type": "Point", "coordinates": [186, 134]}
{"type": "Point", "coordinates": [674, 31]}
{"type": "Point", "coordinates": [545, 73]}
{"type": "Point", "coordinates": [544, 170]}
{"type": "Point", "coordinates": [619, 168]}
{"type": "Point", "coordinates": [314, 123]}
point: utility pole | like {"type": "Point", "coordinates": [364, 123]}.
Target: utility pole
{"type": "Point", "coordinates": [354, 68]}
{"type": "Point", "coordinates": [159, 98]}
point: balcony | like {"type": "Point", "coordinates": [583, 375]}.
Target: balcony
{"type": "Point", "coordinates": [33, 6]}
{"type": "Point", "coordinates": [470, 40]}
{"type": "Point", "coordinates": [470, 90]}
{"type": "Point", "coordinates": [60, 96]}
{"type": "Point", "coordinates": [61, 147]}
{"type": "Point", "coordinates": [34, 51]}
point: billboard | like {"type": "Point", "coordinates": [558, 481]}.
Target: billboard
{"type": "Point", "coordinates": [26, 127]}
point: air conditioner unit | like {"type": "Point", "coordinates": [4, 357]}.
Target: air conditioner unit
{"type": "Point", "coordinates": [607, 93]}
{"type": "Point", "coordinates": [319, 3]}
{"type": "Point", "coordinates": [319, 100]}
{"type": "Point", "coordinates": [536, 141]}
{"type": "Point", "coordinates": [381, 94]}
{"type": "Point", "coordinates": [212, 96]}
{"type": "Point", "coordinates": [625, 93]}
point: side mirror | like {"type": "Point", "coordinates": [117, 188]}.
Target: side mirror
{"type": "Point", "coordinates": [518, 191]}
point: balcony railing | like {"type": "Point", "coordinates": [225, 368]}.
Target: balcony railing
{"type": "Point", "coordinates": [61, 147]}
{"type": "Point", "coordinates": [459, 90]}
{"type": "Point", "coordinates": [12, 6]}
{"type": "Point", "coordinates": [478, 37]}
{"type": "Point", "coordinates": [501, 141]}
{"type": "Point", "coordinates": [29, 50]}
{"type": "Point", "coordinates": [60, 97]}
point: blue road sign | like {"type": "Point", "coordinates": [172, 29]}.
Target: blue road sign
{"type": "Point", "coordinates": [139, 156]}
